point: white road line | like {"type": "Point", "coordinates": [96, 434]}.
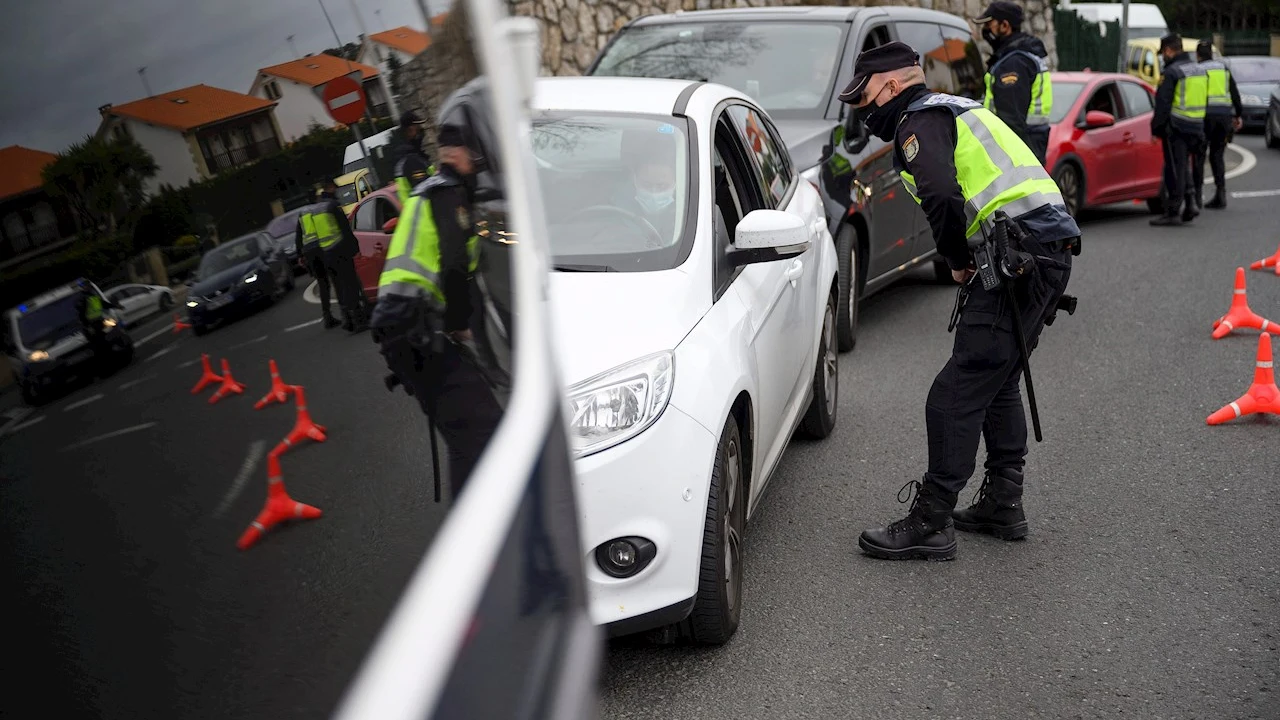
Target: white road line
{"type": "Point", "coordinates": [1255, 193]}
{"type": "Point", "coordinates": [299, 326]}
{"type": "Point", "coordinates": [153, 335]}
{"type": "Point", "coordinates": [106, 436]}
{"type": "Point", "coordinates": [140, 380]}
{"type": "Point", "coordinates": [82, 403]}
{"type": "Point", "coordinates": [1247, 161]}
{"type": "Point", "coordinates": [312, 293]}
{"type": "Point", "coordinates": [15, 415]}
{"type": "Point", "coordinates": [247, 342]}
{"type": "Point", "coordinates": [188, 363]}
{"type": "Point", "coordinates": [23, 426]}
{"type": "Point", "coordinates": [165, 351]}
{"type": "Point", "coordinates": [251, 461]}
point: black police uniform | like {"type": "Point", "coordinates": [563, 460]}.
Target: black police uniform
{"type": "Point", "coordinates": [1013, 74]}
{"type": "Point", "coordinates": [313, 256]}
{"type": "Point", "coordinates": [340, 261]}
{"type": "Point", "coordinates": [412, 163]}
{"type": "Point", "coordinates": [1181, 142]}
{"type": "Point", "coordinates": [1218, 128]}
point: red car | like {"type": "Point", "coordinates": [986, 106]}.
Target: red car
{"type": "Point", "coordinates": [374, 221]}
{"type": "Point", "coordinates": [1100, 145]}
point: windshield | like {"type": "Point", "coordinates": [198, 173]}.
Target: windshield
{"type": "Point", "coordinates": [1064, 96]}
{"type": "Point", "coordinates": [228, 255]}
{"type": "Point", "coordinates": [786, 67]}
{"type": "Point", "coordinates": [615, 190]}
{"type": "Point", "coordinates": [347, 195]}
{"type": "Point", "coordinates": [354, 165]}
{"type": "Point", "coordinates": [41, 328]}
{"type": "Point", "coordinates": [1256, 70]}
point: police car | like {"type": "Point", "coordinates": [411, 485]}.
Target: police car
{"type": "Point", "coordinates": [45, 342]}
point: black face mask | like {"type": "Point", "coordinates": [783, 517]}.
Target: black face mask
{"type": "Point", "coordinates": [882, 120]}
{"type": "Point", "coordinates": [992, 39]}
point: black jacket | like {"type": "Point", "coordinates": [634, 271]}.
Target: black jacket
{"type": "Point", "coordinates": [1162, 120]}
{"type": "Point", "coordinates": [1011, 81]}
{"type": "Point", "coordinates": [348, 246]}
{"type": "Point", "coordinates": [411, 163]}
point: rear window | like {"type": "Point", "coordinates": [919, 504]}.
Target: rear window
{"type": "Point", "coordinates": [1064, 96]}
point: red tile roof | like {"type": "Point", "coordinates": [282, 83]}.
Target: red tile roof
{"type": "Point", "coordinates": [316, 70]}
{"type": "Point", "coordinates": [22, 168]}
{"type": "Point", "coordinates": [404, 38]}
{"type": "Point", "coordinates": [190, 108]}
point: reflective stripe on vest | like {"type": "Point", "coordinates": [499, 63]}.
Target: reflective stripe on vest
{"type": "Point", "coordinates": [93, 308]}
{"type": "Point", "coordinates": [309, 236]}
{"type": "Point", "coordinates": [1041, 90]}
{"type": "Point", "coordinates": [1191, 94]}
{"type": "Point", "coordinates": [412, 267]}
{"type": "Point", "coordinates": [326, 229]}
{"type": "Point", "coordinates": [1218, 94]}
{"type": "Point", "coordinates": [994, 167]}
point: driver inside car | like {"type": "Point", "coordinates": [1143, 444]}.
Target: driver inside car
{"type": "Point", "coordinates": [650, 157]}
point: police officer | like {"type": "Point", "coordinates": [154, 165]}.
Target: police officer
{"type": "Point", "coordinates": [964, 165]}
{"type": "Point", "coordinates": [412, 164]}
{"type": "Point", "coordinates": [1221, 116]}
{"type": "Point", "coordinates": [307, 241]}
{"type": "Point", "coordinates": [90, 307]}
{"type": "Point", "coordinates": [1179, 122]}
{"type": "Point", "coordinates": [339, 247]}
{"type": "Point", "coordinates": [1019, 90]}
{"type": "Point", "coordinates": [427, 315]}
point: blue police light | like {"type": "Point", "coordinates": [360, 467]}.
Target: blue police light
{"type": "Point", "coordinates": [22, 308]}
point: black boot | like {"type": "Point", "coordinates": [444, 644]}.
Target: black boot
{"type": "Point", "coordinates": [1189, 211]}
{"type": "Point", "coordinates": [1166, 220]}
{"type": "Point", "coordinates": [926, 533]}
{"type": "Point", "coordinates": [1219, 200]}
{"type": "Point", "coordinates": [330, 321]}
{"type": "Point", "coordinates": [997, 508]}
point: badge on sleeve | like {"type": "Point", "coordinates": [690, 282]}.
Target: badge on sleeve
{"type": "Point", "coordinates": [910, 148]}
{"type": "Point", "coordinates": [1009, 79]}
{"type": "Point", "coordinates": [464, 218]}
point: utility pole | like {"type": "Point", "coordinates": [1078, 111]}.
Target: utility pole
{"type": "Point", "coordinates": [293, 47]}
{"type": "Point", "coordinates": [426, 18]}
{"type": "Point", "coordinates": [1124, 34]}
{"type": "Point", "coordinates": [377, 53]}
{"type": "Point", "coordinates": [378, 14]}
{"type": "Point", "coordinates": [142, 73]}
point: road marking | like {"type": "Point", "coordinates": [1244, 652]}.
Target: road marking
{"type": "Point", "coordinates": [23, 426]}
{"type": "Point", "coordinates": [188, 363]}
{"type": "Point", "coordinates": [312, 293]}
{"type": "Point", "coordinates": [82, 403]}
{"type": "Point", "coordinates": [247, 342]}
{"type": "Point", "coordinates": [251, 461]}
{"type": "Point", "coordinates": [1247, 161]}
{"type": "Point", "coordinates": [299, 326]}
{"type": "Point", "coordinates": [140, 380]}
{"type": "Point", "coordinates": [154, 335]}
{"type": "Point", "coordinates": [1255, 193]}
{"type": "Point", "coordinates": [107, 436]}
{"type": "Point", "coordinates": [165, 351]}
{"type": "Point", "coordinates": [15, 415]}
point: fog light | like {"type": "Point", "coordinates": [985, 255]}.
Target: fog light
{"type": "Point", "coordinates": [624, 557]}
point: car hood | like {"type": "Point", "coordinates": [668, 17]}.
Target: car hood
{"type": "Point", "coordinates": [805, 140]}
{"type": "Point", "coordinates": [605, 319]}
{"type": "Point", "coordinates": [1261, 91]}
{"type": "Point", "coordinates": [224, 279]}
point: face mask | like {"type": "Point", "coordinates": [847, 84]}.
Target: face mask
{"type": "Point", "coordinates": [992, 39]}
{"type": "Point", "coordinates": [653, 202]}
{"type": "Point", "coordinates": [881, 120]}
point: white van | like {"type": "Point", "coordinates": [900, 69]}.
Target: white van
{"type": "Point", "coordinates": [353, 159]}
{"type": "Point", "coordinates": [1145, 19]}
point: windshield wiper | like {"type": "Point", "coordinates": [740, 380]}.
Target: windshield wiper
{"type": "Point", "coordinates": [583, 268]}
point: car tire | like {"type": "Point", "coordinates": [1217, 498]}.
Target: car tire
{"type": "Point", "coordinates": [1269, 136]}
{"type": "Point", "coordinates": [820, 418]}
{"type": "Point", "coordinates": [718, 605]}
{"type": "Point", "coordinates": [1070, 180]}
{"type": "Point", "coordinates": [849, 288]}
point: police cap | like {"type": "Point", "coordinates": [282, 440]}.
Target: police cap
{"type": "Point", "coordinates": [883, 58]}
{"type": "Point", "coordinates": [1001, 10]}
{"type": "Point", "coordinates": [411, 118]}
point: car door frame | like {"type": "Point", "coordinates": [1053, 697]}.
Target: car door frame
{"type": "Point", "coordinates": [1097, 140]}
{"type": "Point", "coordinates": [1144, 150]}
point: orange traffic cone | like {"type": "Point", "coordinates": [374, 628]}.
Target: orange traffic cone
{"type": "Point", "coordinates": [1262, 396]}
{"type": "Point", "coordinates": [305, 428]}
{"type": "Point", "coordinates": [229, 384]}
{"type": "Point", "coordinates": [209, 376]}
{"type": "Point", "coordinates": [279, 391]}
{"type": "Point", "coordinates": [1239, 315]}
{"type": "Point", "coordinates": [1268, 262]}
{"type": "Point", "coordinates": [279, 507]}
{"type": "Point", "coordinates": [178, 325]}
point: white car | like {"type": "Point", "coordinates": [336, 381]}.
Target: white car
{"type": "Point", "coordinates": [695, 337]}
{"type": "Point", "coordinates": [138, 302]}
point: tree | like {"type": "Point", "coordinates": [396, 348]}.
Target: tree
{"type": "Point", "coordinates": [101, 180]}
{"type": "Point", "coordinates": [393, 67]}
{"type": "Point", "coordinates": [349, 51]}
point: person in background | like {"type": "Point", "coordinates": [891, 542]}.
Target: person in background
{"type": "Point", "coordinates": [412, 164]}
{"type": "Point", "coordinates": [1179, 121]}
{"type": "Point", "coordinates": [307, 242]}
{"type": "Point", "coordinates": [1019, 88]}
{"type": "Point", "coordinates": [340, 246]}
{"type": "Point", "coordinates": [1222, 116]}
{"type": "Point", "coordinates": [650, 155]}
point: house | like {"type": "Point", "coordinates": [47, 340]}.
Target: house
{"type": "Point", "coordinates": [403, 43]}
{"type": "Point", "coordinates": [196, 132]}
{"type": "Point", "coordinates": [31, 222]}
{"type": "Point", "coordinates": [292, 86]}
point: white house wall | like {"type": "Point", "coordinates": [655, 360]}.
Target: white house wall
{"type": "Point", "coordinates": [170, 151]}
{"type": "Point", "coordinates": [297, 108]}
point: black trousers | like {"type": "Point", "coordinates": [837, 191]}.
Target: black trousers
{"type": "Point", "coordinates": [977, 393]}
{"type": "Point", "coordinates": [1037, 139]}
{"type": "Point", "coordinates": [1179, 149]}
{"type": "Point", "coordinates": [347, 284]}
{"type": "Point", "coordinates": [1217, 130]}
{"type": "Point", "coordinates": [320, 271]}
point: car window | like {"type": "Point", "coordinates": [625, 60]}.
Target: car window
{"type": "Point", "coordinates": [41, 328]}
{"type": "Point", "coordinates": [1136, 99]}
{"type": "Point", "coordinates": [386, 210]}
{"type": "Point", "coordinates": [1064, 97]}
{"type": "Point", "coordinates": [367, 217]}
{"type": "Point", "coordinates": [769, 166]}
{"type": "Point", "coordinates": [119, 293]}
{"type": "Point", "coordinates": [227, 256]}
{"type": "Point", "coordinates": [363, 186]}
{"type": "Point", "coordinates": [1104, 99]}
{"type": "Point", "coordinates": [347, 194]}
{"type": "Point", "coordinates": [1148, 59]}
{"type": "Point", "coordinates": [967, 69]}
{"type": "Point", "coordinates": [736, 195]}
{"type": "Point", "coordinates": [926, 39]}
{"type": "Point", "coordinates": [1135, 57]}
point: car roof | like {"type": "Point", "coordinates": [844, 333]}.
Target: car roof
{"type": "Point", "coordinates": [646, 96]}
{"type": "Point", "coordinates": [1083, 76]}
{"type": "Point", "coordinates": [51, 295]}
{"type": "Point", "coordinates": [794, 14]}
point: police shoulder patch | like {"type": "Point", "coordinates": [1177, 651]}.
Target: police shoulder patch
{"type": "Point", "coordinates": [1009, 79]}
{"type": "Point", "coordinates": [910, 148]}
{"type": "Point", "coordinates": [464, 218]}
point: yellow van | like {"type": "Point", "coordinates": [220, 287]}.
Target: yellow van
{"type": "Point", "coordinates": [1143, 58]}
{"type": "Point", "coordinates": [352, 188]}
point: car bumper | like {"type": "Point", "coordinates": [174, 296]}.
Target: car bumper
{"type": "Point", "coordinates": [242, 301]}
{"type": "Point", "coordinates": [1254, 118]}
{"type": "Point", "coordinates": [76, 365]}
{"type": "Point", "coordinates": [653, 486]}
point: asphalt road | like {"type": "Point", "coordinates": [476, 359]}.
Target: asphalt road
{"type": "Point", "coordinates": [1150, 585]}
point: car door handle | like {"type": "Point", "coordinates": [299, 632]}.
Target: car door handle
{"type": "Point", "coordinates": [794, 272]}
{"type": "Point", "coordinates": [379, 247]}
{"type": "Point", "coordinates": [1128, 137]}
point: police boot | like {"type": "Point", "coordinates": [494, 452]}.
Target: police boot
{"type": "Point", "coordinates": [1166, 220]}
{"type": "Point", "coordinates": [997, 508]}
{"type": "Point", "coordinates": [926, 533]}
{"type": "Point", "coordinates": [1219, 200]}
{"type": "Point", "coordinates": [329, 320]}
{"type": "Point", "coordinates": [347, 322]}
{"type": "Point", "coordinates": [1189, 209]}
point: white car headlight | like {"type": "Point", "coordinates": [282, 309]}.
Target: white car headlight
{"type": "Point", "coordinates": [108, 323]}
{"type": "Point", "coordinates": [251, 277]}
{"type": "Point", "coordinates": [38, 356]}
{"type": "Point", "coordinates": [1252, 100]}
{"type": "Point", "coordinates": [617, 405]}
{"type": "Point", "coordinates": [192, 303]}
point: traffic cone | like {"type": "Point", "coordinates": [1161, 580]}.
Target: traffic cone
{"type": "Point", "coordinates": [1262, 396]}
{"type": "Point", "coordinates": [209, 376]}
{"type": "Point", "coordinates": [229, 384]}
{"type": "Point", "coordinates": [279, 392]}
{"type": "Point", "coordinates": [1268, 262]}
{"type": "Point", "coordinates": [279, 507]}
{"type": "Point", "coordinates": [178, 325]}
{"type": "Point", "coordinates": [1239, 315]}
{"type": "Point", "coordinates": [305, 428]}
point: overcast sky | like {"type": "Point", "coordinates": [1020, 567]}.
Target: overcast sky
{"type": "Point", "coordinates": [65, 58]}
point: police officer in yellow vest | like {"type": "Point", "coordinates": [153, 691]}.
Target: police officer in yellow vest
{"type": "Point", "coordinates": [307, 241]}
{"type": "Point", "coordinates": [964, 165]}
{"type": "Point", "coordinates": [91, 309]}
{"type": "Point", "coordinates": [340, 246]}
{"type": "Point", "coordinates": [1019, 89]}
{"type": "Point", "coordinates": [412, 164]}
{"type": "Point", "coordinates": [1222, 112]}
{"type": "Point", "coordinates": [1179, 122]}
{"type": "Point", "coordinates": [428, 312]}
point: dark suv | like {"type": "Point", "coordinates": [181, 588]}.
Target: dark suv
{"type": "Point", "coordinates": [794, 61]}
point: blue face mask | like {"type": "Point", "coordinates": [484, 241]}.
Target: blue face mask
{"type": "Point", "coordinates": [653, 202]}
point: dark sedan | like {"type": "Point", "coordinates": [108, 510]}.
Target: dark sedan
{"type": "Point", "coordinates": [281, 229]}
{"type": "Point", "coordinates": [1256, 76]}
{"type": "Point", "coordinates": [235, 278]}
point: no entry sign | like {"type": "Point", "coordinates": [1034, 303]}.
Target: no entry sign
{"type": "Point", "coordinates": [344, 99]}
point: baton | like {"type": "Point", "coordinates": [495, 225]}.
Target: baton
{"type": "Point", "coordinates": [435, 454]}
{"type": "Point", "coordinates": [1026, 357]}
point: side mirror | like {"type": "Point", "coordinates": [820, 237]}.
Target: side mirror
{"type": "Point", "coordinates": [766, 236]}
{"type": "Point", "coordinates": [855, 134]}
{"type": "Point", "coordinates": [389, 227]}
{"type": "Point", "coordinates": [1098, 119]}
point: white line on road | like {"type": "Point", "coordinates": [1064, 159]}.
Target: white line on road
{"type": "Point", "coordinates": [15, 415]}
{"type": "Point", "coordinates": [312, 293]}
{"type": "Point", "coordinates": [154, 335]}
{"type": "Point", "coordinates": [82, 403]}
{"type": "Point", "coordinates": [23, 426]}
{"type": "Point", "coordinates": [246, 469]}
{"type": "Point", "coordinates": [106, 436]}
{"type": "Point", "coordinates": [1247, 161]}
{"type": "Point", "coordinates": [1255, 193]}
{"type": "Point", "coordinates": [299, 326]}
{"type": "Point", "coordinates": [247, 342]}
{"type": "Point", "coordinates": [165, 351]}
{"type": "Point", "coordinates": [140, 380]}
{"type": "Point", "coordinates": [188, 363]}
